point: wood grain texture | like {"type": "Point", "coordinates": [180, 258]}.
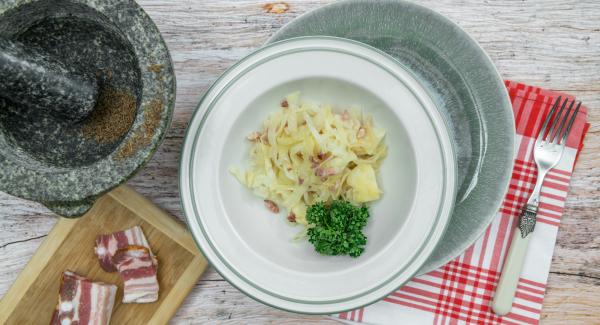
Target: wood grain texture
{"type": "Point", "coordinates": [550, 43]}
{"type": "Point", "coordinates": [69, 246]}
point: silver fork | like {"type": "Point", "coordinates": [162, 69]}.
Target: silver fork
{"type": "Point", "coordinates": [548, 150]}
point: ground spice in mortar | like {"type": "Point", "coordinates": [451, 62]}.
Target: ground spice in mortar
{"type": "Point", "coordinates": [143, 136]}
{"type": "Point", "coordinates": [112, 117]}
{"type": "Point", "coordinates": [156, 68]}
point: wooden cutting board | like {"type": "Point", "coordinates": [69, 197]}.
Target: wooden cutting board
{"type": "Point", "coordinates": [70, 246]}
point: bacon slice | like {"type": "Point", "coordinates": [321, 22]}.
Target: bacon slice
{"type": "Point", "coordinates": [137, 268]}
{"type": "Point", "coordinates": [107, 245]}
{"type": "Point", "coordinates": [83, 302]}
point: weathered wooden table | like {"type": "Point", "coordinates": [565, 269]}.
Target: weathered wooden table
{"type": "Point", "coordinates": [551, 43]}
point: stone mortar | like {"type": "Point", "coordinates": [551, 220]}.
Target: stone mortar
{"type": "Point", "coordinates": [50, 160]}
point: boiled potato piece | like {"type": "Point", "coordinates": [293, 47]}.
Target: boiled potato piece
{"type": "Point", "coordinates": [364, 184]}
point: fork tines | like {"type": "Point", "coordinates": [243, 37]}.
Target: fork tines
{"type": "Point", "coordinates": [558, 133]}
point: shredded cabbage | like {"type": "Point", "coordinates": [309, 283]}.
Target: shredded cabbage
{"type": "Point", "coordinates": [307, 153]}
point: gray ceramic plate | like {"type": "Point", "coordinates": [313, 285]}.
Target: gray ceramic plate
{"type": "Point", "coordinates": [462, 80]}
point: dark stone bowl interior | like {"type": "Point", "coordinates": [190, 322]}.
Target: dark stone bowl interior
{"type": "Point", "coordinates": [54, 161]}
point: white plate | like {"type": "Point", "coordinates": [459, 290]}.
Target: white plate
{"type": "Point", "coordinates": [251, 247]}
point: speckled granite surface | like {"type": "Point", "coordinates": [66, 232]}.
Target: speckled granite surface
{"type": "Point", "coordinates": [36, 81]}
{"type": "Point", "coordinates": [45, 157]}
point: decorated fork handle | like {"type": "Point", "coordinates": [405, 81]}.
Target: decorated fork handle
{"type": "Point", "coordinates": [511, 272]}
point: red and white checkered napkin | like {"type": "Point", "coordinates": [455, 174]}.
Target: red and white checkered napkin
{"type": "Point", "coordinates": [462, 290]}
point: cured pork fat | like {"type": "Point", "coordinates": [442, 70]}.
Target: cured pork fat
{"type": "Point", "coordinates": [108, 245]}
{"type": "Point", "coordinates": [83, 302]}
{"type": "Point", "coordinates": [138, 272]}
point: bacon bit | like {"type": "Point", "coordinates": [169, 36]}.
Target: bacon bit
{"type": "Point", "coordinates": [272, 206]}
{"type": "Point", "coordinates": [361, 133]}
{"type": "Point", "coordinates": [323, 155]}
{"type": "Point", "coordinates": [321, 172]}
{"type": "Point", "coordinates": [285, 104]}
{"type": "Point", "coordinates": [254, 136]}
{"type": "Point", "coordinates": [319, 159]}
{"type": "Point", "coordinates": [291, 217]}
{"type": "Point", "coordinates": [300, 181]}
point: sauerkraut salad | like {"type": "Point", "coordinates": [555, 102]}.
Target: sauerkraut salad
{"type": "Point", "coordinates": [307, 153]}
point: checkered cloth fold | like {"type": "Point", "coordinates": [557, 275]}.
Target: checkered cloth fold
{"type": "Point", "coordinates": [461, 291]}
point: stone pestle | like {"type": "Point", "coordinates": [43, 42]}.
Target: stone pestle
{"type": "Point", "coordinates": [32, 80]}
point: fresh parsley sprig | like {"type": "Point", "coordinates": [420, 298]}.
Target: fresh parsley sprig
{"type": "Point", "coordinates": [336, 229]}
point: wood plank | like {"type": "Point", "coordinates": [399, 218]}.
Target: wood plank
{"type": "Point", "coordinates": [550, 43]}
{"type": "Point", "coordinates": [70, 246]}
{"type": "Point", "coordinates": [571, 300]}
